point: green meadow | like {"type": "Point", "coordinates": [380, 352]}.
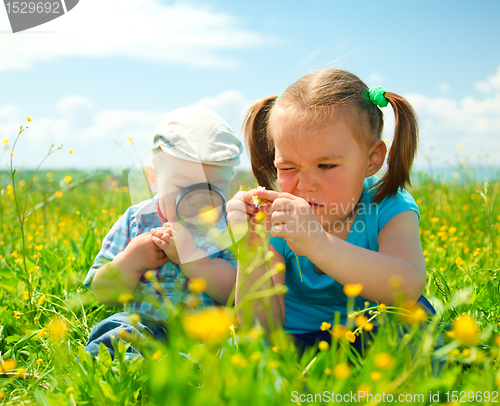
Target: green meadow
{"type": "Point", "coordinates": [53, 224]}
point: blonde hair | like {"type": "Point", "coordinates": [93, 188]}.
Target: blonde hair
{"type": "Point", "coordinates": [316, 99]}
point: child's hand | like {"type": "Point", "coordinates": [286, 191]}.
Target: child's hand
{"type": "Point", "coordinates": [141, 254]}
{"type": "Point", "coordinates": [243, 215]}
{"type": "Point", "coordinates": [293, 219]}
{"type": "Point", "coordinates": [175, 240]}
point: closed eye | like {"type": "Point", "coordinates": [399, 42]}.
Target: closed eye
{"type": "Point", "coordinates": [327, 166]}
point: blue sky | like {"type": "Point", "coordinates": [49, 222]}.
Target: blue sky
{"type": "Point", "coordinates": [108, 70]}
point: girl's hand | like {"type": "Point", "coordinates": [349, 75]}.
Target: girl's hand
{"type": "Point", "coordinates": [293, 219]}
{"type": "Point", "coordinates": [242, 215]}
{"type": "Point", "coordinates": [175, 240]}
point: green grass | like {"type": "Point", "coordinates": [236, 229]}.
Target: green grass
{"type": "Point", "coordinates": [460, 237]}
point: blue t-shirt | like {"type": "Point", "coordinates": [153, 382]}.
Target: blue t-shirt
{"type": "Point", "coordinates": [317, 298]}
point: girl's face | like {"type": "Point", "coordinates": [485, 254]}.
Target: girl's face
{"type": "Point", "coordinates": [325, 166]}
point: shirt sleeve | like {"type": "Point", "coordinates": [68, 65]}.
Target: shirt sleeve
{"type": "Point", "coordinates": [280, 245]}
{"type": "Point", "coordinates": [114, 242]}
{"type": "Point", "coordinates": [393, 205]}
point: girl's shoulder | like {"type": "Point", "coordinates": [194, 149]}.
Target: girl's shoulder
{"type": "Point", "coordinates": [390, 206]}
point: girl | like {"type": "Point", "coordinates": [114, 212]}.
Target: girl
{"type": "Point", "coordinates": [320, 139]}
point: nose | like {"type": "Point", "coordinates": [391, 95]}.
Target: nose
{"type": "Point", "coordinates": [306, 183]}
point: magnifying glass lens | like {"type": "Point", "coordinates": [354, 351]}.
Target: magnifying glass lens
{"type": "Point", "coordinates": [201, 208]}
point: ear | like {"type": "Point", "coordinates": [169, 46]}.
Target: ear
{"type": "Point", "coordinates": [376, 157]}
{"type": "Point", "coordinates": [151, 177]}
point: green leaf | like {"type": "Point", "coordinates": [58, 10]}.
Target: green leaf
{"type": "Point", "coordinates": [108, 390]}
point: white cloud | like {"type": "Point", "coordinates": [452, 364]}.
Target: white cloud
{"type": "Point", "coordinates": [182, 33]}
{"type": "Point", "coordinates": [99, 139]}
{"type": "Point", "coordinates": [491, 84]}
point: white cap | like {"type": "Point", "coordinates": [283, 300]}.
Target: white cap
{"type": "Point", "coordinates": [198, 134]}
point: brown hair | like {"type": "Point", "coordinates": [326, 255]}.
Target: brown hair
{"type": "Point", "coordinates": [315, 99]}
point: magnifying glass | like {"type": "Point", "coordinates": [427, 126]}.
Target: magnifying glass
{"type": "Point", "coordinates": [201, 206]}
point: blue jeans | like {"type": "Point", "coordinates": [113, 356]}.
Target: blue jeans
{"type": "Point", "coordinates": [102, 332]}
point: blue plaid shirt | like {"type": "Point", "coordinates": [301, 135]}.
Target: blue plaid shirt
{"type": "Point", "coordinates": [138, 219]}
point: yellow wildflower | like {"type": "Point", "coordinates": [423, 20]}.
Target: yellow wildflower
{"type": "Point", "coordinates": [279, 267]}
{"type": "Point", "coordinates": [125, 298]}
{"type": "Point", "coordinates": [382, 306]}
{"type": "Point", "coordinates": [5, 141]}
{"type": "Point", "coordinates": [459, 261]}
{"type": "Point", "coordinates": [70, 151]}
{"type": "Point", "coordinates": [465, 330]}
{"type": "Point", "coordinates": [239, 360]}
{"type": "Point", "coordinates": [338, 331]}
{"type": "Point", "coordinates": [42, 333]}
{"type": "Point", "coordinates": [384, 360]}
{"type": "Point", "coordinates": [349, 335]}
{"type": "Point", "coordinates": [368, 327]}
{"type": "Point", "coordinates": [9, 364]}
{"type": "Point", "coordinates": [67, 178]}
{"type": "Point", "coordinates": [323, 345]}
{"type": "Point", "coordinates": [452, 230]}
{"type": "Point", "coordinates": [325, 326]}
{"type": "Point", "coordinates": [360, 320]}
{"type": "Point", "coordinates": [209, 325]}
{"type": "Point", "coordinates": [197, 285]}
{"type": "Point", "coordinates": [414, 313]}
{"type": "Point", "coordinates": [59, 194]}
{"type": "Point", "coordinates": [375, 376]}
{"type": "Point", "coordinates": [26, 295]}
{"type": "Point", "coordinates": [260, 216]}
{"type": "Point", "coordinates": [58, 329]}
{"type": "Point", "coordinates": [156, 355]}
{"type": "Point", "coordinates": [341, 371]}
{"type": "Point", "coordinates": [135, 318]}
{"type": "Point", "coordinates": [130, 138]}
{"type": "Point", "coordinates": [28, 118]}
{"type": "Point", "coordinates": [353, 290]}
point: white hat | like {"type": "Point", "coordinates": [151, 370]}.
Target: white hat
{"type": "Point", "coordinates": [198, 134]}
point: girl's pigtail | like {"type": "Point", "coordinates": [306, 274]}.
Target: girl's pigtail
{"type": "Point", "coordinates": [256, 138]}
{"type": "Point", "coordinates": [403, 149]}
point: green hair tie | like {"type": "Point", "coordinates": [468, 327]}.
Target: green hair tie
{"type": "Point", "coordinates": [281, 94]}
{"type": "Point", "coordinates": [377, 96]}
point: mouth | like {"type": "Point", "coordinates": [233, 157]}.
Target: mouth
{"type": "Point", "coordinates": [315, 205]}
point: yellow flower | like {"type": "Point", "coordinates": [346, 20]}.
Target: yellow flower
{"type": "Point", "coordinates": [16, 314]}
{"type": "Point", "coordinates": [459, 148]}
{"type": "Point", "coordinates": [78, 212]}
{"type": "Point", "coordinates": [28, 118]}
{"type": "Point", "coordinates": [104, 211]}
{"type": "Point", "coordinates": [42, 333]}
{"type": "Point", "coordinates": [382, 306]}
{"type": "Point", "coordinates": [338, 331]}
{"type": "Point", "coordinates": [125, 298]}
{"type": "Point", "coordinates": [260, 216]}
{"type": "Point", "coordinates": [452, 230]}
{"type": "Point", "coordinates": [384, 360]}
{"type": "Point", "coordinates": [375, 376]}
{"type": "Point", "coordinates": [341, 371]}
{"type": "Point", "coordinates": [13, 154]}
{"type": "Point", "coordinates": [434, 219]}
{"type": "Point", "coordinates": [465, 330]}
{"type": "Point", "coordinates": [360, 320]}
{"type": "Point", "coordinates": [209, 325]}
{"type": "Point", "coordinates": [414, 313]}
{"type": "Point", "coordinates": [349, 335]}
{"type": "Point", "coordinates": [239, 360]}
{"type": "Point", "coordinates": [38, 247]}
{"type": "Point", "coordinates": [135, 318]}
{"type": "Point", "coordinates": [197, 285]}
{"type": "Point", "coordinates": [5, 141]}
{"type": "Point", "coordinates": [58, 194]}
{"type": "Point", "coordinates": [149, 275]}
{"type": "Point", "coordinates": [279, 267]}
{"type": "Point", "coordinates": [130, 139]}
{"type": "Point", "coordinates": [323, 345]}
{"type": "Point", "coordinates": [368, 327]}
{"type": "Point", "coordinates": [9, 364]}
{"type": "Point", "coordinates": [26, 295]}
{"type": "Point", "coordinates": [58, 329]}
{"type": "Point", "coordinates": [459, 261]}
{"type": "Point", "coordinates": [325, 326]}
{"type": "Point", "coordinates": [353, 290]}
{"type": "Point", "coordinates": [67, 178]}
{"type": "Point", "coordinates": [156, 355]}
{"type": "Point", "coordinates": [208, 214]}
{"type": "Point", "coordinates": [70, 151]}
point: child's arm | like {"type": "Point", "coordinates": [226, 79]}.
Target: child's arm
{"type": "Point", "coordinates": [122, 274]}
{"type": "Point", "coordinates": [400, 253]}
{"type": "Point", "coordinates": [219, 274]}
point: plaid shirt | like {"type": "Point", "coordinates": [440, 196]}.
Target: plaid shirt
{"type": "Point", "coordinates": [138, 219]}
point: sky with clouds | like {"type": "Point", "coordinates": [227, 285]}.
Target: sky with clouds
{"type": "Point", "coordinates": [109, 70]}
